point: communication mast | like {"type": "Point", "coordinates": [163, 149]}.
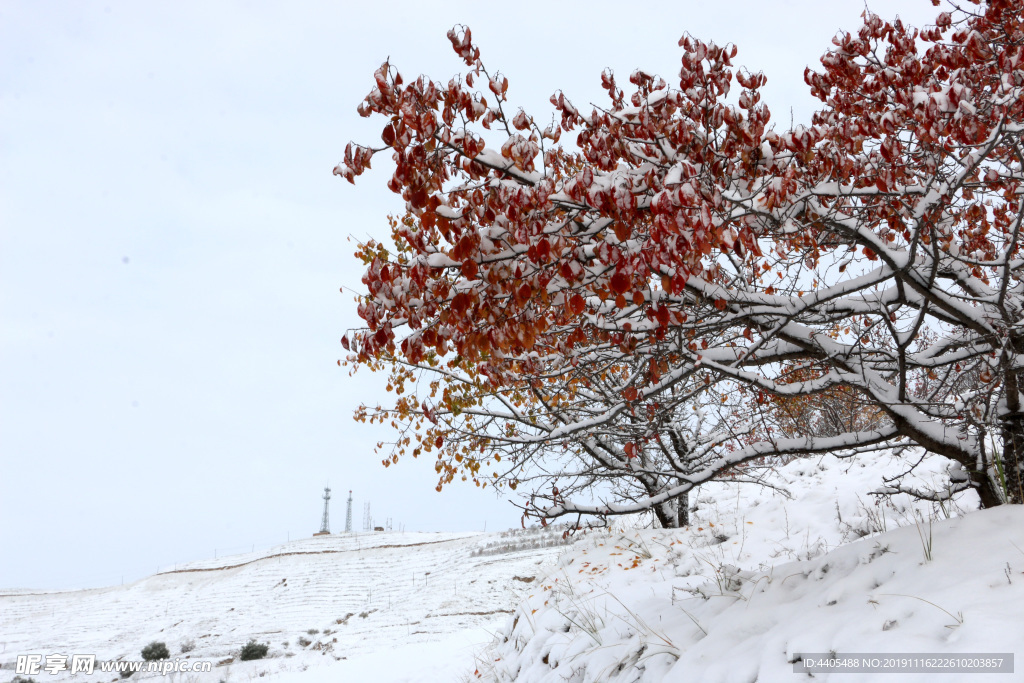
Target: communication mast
{"type": "Point", "coordinates": [348, 515]}
{"type": "Point", "coordinates": [367, 519]}
{"type": "Point", "coordinates": [325, 526]}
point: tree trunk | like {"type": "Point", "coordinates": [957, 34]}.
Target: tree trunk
{"type": "Point", "coordinates": [988, 489]}
{"type": "Point", "coordinates": [1013, 457]}
{"type": "Point", "coordinates": [674, 514]}
{"type": "Point", "coordinates": [665, 514]}
{"type": "Point", "coordinates": [683, 510]}
{"type": "Point", "coordinates": [1012, 422]}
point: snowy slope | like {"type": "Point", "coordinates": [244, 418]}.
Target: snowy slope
{"type": "Point", "coordinates": [807, 563]}
{"type": "Point", "coordinates": [361, 594]}
{"type": "Point", "coordinates": [760, 578]}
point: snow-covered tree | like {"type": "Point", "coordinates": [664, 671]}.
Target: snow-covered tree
{"type": "Point", "coordinates": [574, 291]}
{"type": "Point", "coordinates": [577, 429]}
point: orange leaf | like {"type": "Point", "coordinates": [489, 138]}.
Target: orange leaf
{"type": "Point", "coordinates": [576, 304]}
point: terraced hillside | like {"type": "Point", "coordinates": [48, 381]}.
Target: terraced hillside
{"type": "Point", "coordinates": [339, 595]}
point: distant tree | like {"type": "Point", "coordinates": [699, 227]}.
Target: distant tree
{"type": "Point", "coordinates": [155, 651]}
{"type": "Point", "coordinates": [825, 414]}
{"type": "Point", "coordinates": [862, 266]}
{"type": "Point", "coordinates": [253, 650]}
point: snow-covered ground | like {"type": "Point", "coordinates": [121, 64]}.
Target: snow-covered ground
{"type": "Point", "coordinates": [811, 564]}
{"type": "Point", "coordinates": [759, 578]}
{"type": "Point", "coordinates": [349, 600]}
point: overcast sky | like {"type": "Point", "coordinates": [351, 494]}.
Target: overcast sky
{"type": "Point", "coordinates": [172, 244]}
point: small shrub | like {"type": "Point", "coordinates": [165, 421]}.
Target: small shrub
{"type": "Point", "coordinates": [154, 651]}
{"type": "Point", "coordinates": [304, 642]}
{"type": "Point", "coordinates": [253, 650]}
{"type": "Point", "coordinates": [19, 679]}
{"type": "Point", "coordinates": [187, 646]}
{"type": "Point", "coordinates": [312, 631]}
{"type": "Point", "coordinates": [126, 673]}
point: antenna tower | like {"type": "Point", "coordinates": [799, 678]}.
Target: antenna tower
{"type": "Point", "coordinates": [325, 524]}
{"type": "Point", "coordinates": [348, 515]}
{"type": "Point", "coordinates": [367, 519]}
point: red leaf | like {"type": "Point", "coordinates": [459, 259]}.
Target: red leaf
{"type": "Point", "coordinates": [619, 282]}
{"type": "Point", "coordinates": [525, 293]}
{"type": "Point", "coordinates": [543, 250]}
{"type": "Point", "coordinates": [460, 302]}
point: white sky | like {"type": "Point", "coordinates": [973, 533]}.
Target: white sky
{"type": "Point", "coordinates": [172, 242]}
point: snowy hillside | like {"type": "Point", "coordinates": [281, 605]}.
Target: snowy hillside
{"type": "Point", "coordinates": [808, 564]}
{"type": "Point", "coordinates": [344, 596]}
{"type": "Point", "coordinates": [760, 578]}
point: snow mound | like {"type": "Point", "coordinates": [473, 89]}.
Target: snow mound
{"type": "Point", "coordinates": [759, 578]}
